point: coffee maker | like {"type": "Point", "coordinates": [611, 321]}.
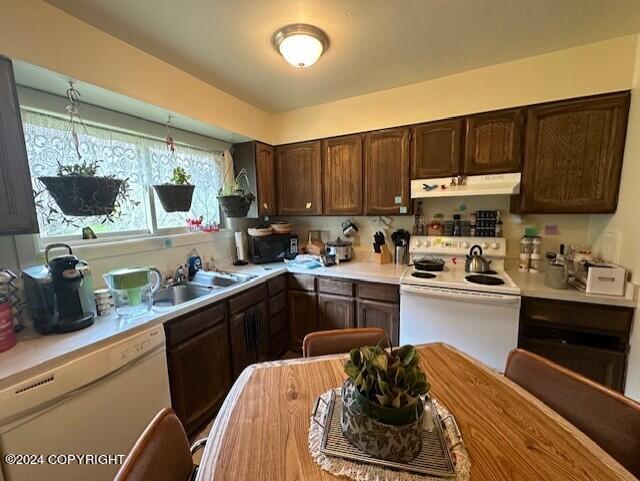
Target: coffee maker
{"type": "Point", "coordinates": [58, 293]}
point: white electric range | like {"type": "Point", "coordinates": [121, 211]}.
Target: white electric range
{"type": "Point", "coordinates": [478, 314]}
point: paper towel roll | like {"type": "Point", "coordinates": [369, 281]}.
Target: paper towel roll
{"type": "Point", "coordinates": [241, 250]}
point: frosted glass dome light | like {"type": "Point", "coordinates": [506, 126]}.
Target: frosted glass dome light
{"type": "Point", "coordinates": [301, 45]}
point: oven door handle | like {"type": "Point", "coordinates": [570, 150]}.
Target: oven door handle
{"type": "Point", "coordinates": [476, 297]}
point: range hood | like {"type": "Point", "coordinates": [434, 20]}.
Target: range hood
{"type": "Point", "coordinates": [494, 184]}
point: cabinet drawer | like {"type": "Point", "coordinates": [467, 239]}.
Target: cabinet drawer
{"type": "Point", "coordinates": [301, 282]}
{"type": "Point", "coordinates": [278, 323]}
{"type": "Point", "coordinates": [279, 344]}
{"type": "Point", "coordinates": [577, 314]}
{"type": "Point", "coordinates": [277, 303]}
{"type": "Point", "coordinates": [246, 299]}
{"type": "Point", "coordinates": [378, 292]}
{"type": "Point", "coordinates": [276, 285]}
{"type": "Point", "coordinates": [335, 286]}
{"type": "Point", "coordinates": [186, 327]}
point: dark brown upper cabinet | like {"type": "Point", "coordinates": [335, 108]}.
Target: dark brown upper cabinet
{"type": "Point", "coordinates": [342, 175]}
{"type": "Point", "coordinates": [17, 208]}
{"type": "Point", "coordinates": [258, 160]}
{"type": "Point", "coordinates": [573, 156]}
{"type": "Point", "coordinates": [436, 149]}
{"type": "Point", "coordinates": [493, 142]}
{"type": "Point", "coordinates": [298, 169]}
{"type": "Point", "coordinates": [386, 172]}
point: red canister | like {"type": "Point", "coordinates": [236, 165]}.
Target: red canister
{"type": "Point", "coordinates": [7, 334]}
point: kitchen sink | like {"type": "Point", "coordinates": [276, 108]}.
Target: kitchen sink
{"type": "Point", "coordinates": [174, 295]}
{"type": "Point", "coordinates": [220, 279]}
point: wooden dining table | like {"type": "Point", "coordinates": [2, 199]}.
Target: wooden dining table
{"type": "Point", "coordinates": [261, 432]}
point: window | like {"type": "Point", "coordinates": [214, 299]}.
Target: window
{"type": "Point", "coordinates": [141, 160]}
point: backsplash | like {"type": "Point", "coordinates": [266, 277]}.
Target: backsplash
{"type": "Point", "coordinates": [571, 228]}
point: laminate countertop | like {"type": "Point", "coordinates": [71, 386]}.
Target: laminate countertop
{"type": "Point", "coordinates": [508, 433]}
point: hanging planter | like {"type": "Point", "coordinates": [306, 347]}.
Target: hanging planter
{"type": "Point", "coordinates": [76, 189]}
{"type": "Point", "coordinates": [235, 198]}
{"type": "Point", "coordinates": [178, 195]}
{"type": "Point", "coordinates": [82, 196]}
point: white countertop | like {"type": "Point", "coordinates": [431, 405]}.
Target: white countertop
{"type": "Point", "coordinates": [532, 285]}
{"type": "Point", "coordinates": [35, 353]}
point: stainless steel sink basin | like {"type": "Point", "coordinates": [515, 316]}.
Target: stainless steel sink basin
{"type": "Point", "coordinates": [174, 295]}
{"type": "Point", "coordinates": [220, 279]}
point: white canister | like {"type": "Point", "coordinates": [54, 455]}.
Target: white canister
{"type": "Point", "coordinates": [525, 259]}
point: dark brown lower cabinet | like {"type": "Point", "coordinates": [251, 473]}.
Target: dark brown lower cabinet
{"type": "Point", "coordinates": [278, 320]}
{"type": "Point", "coordinates": [590, 339]}
{"type": "Point", "coordinates": [200, 375]}
{"type": "Point", "coordinates": [303, 317]}
{"type": "Point", "coordinates": [335, 312]}
{"type": "Point", "coordinates": [380, 314]}
{"type": "Point", "coordinates": [249, 333]}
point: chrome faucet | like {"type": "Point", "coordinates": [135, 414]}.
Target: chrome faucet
{"type": "Point", "coordinates": [178, 276]}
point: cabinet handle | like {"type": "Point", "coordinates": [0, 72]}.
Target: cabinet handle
{"type": "Point", "coordinates": [265, 205]}
{"type": "Point", "coordinates": [308, 206]}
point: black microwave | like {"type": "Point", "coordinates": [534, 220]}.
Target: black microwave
{"type": "Point", "coordinates": [273, 248]}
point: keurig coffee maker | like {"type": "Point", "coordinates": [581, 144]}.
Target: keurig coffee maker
{"type": "Point", "coordinates": [58, 294]}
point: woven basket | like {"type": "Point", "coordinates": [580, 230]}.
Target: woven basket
{"type": "Point", "coordinates": [175, 198]}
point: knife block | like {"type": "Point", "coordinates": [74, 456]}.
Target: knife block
{"type": "Point", "coordinates": [382, 257]}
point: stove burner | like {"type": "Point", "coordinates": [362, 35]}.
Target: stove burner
{"type": "Point", "coordinates": [423, 275]}
{"type": "Point", "coordinates": [485, 280]}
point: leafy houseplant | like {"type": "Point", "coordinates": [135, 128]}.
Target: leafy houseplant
{"type": "Point", "coordinates": [382, 406]}
{"type": "Point", "coordinates": [235, 197]}
{"type": "Point", "coordinates": [177, 195]}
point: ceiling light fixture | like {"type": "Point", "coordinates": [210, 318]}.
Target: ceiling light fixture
{"type": "Point", "coordinates": [300, 44]}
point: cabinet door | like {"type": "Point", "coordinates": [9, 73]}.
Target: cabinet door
{"type": "Point", "coordinates": [436, 149]}
{"type": "Point", "coordinates": [386, 172]}
{"type": "Point", "coordinates": [242, 352]}
{"type": "Point", "coordinates": [200, 376]}
{"type": "Point", "coordinates": [600, 365]}
{"type": "Point", "coordinates": [573, 155]}
{"type": "Point", "coordinates": [249, 336]}
{"type": "Point", "coordinates": [335, 312]}
{"type": "Point", "coordinates": [303, 317]}
{"type": "Point", "coordinates": [493, 142]}
{"type": "Point", "coordinates": [266, 179]}
{"type": "Point", "coordinates": [298, 169]}
{"type": "Point", "coordinates": [262, 342]}
{"type": "Point", "coordinates": [17, 208]}
{"type": "Point", "coordinates": [382, 315]}
{"type": "Point", "coordinates": [342, 175]}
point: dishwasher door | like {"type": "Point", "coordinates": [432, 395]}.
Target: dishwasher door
{"type": "Point", "coordinates": [483, 325]}
{"type": "Point", "coordinates": [105, 417]}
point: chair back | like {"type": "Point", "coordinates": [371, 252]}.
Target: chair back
{"type": "Point", "coordinates": [160, 454]}
{"type": "Point", "coordinates": [338, 341]}
{"type": "Point", "coordinates": [607, 417]}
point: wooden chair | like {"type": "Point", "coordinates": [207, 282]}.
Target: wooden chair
{"type": "Point", "coordinates": [607, 417]}
{"type": "Point", "coordinates": [338, 341]}
{"type": "Point", "coordinates": [161, 453]}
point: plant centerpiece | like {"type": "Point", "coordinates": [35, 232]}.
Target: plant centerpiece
{"type": "Point", "coordinates": [382, 408]}
{"type": "Point", "coordinates": [77, 189]}
{"type": "Point", "coordinates": [235, 197]}
{"type": "Point", "coordinates": [176, 196]}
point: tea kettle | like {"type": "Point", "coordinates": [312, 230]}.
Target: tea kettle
{"type": "Point", "coordinates": [475, 262]}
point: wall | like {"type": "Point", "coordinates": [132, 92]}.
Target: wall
{"type": "Point", "coordinates": [625, 221]}
{"type": "Point", "coordinates": [572, 228]}
{"type": "Point", "coordinates": [40, 34]}
{"type": "Point", "coordinates": [589, 69]}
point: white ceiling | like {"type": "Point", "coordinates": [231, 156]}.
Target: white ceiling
{"type": "Point", "coordinates": [375, 44]}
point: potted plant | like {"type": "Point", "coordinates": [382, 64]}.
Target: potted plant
{"type": "Point", "coordinates": [382, 408]}
{"type": "Point", "coordinates": [235, 197]}
{"type": "Point", "coordinates": [77, 189]}
{"type": "Point", "coordinates": [80, 192]}
{"type": "Point", "coordinates": [176, 196]}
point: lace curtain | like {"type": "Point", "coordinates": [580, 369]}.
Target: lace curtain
{"type": "Point", "coordinates": [142, 160]}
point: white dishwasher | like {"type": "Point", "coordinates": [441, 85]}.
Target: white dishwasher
{"type": "Point", "coordinates": [95, 404]}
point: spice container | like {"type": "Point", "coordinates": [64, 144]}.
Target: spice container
{"type": "Point", "coordinates": [456, 226]}
{"type": "Point", "coordinates": [534, 263]}
{"type": "Point", "coordinates": [448, 228]}
{"type": "Point", "coordinates": [435, 228]}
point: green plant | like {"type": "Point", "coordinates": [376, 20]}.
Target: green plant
{"type": "Point", "coordinates": [87, 169]}
{"type": "Point", "coordinates": [239, 186]}
{"type": "Point", "coordinates": [389, 379]}
{"type": "Point", "coordinates": [179, 176]}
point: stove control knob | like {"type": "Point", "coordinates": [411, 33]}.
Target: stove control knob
{"type": "Point", "coordinates": [466, 245]}
{"type": "Point", "coordinates": [427, 243]}
{"type": "Point", "coordinates": [495, 245]}
{"type": "Point", "coordinates": [418, 243]}
{"type": "Point", "coordinates": [484, 245]}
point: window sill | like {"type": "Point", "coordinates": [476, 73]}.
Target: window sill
{"type": "Point", "coordinates": [101, 248]}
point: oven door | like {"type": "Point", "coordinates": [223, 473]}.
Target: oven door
{"type": "Point", "coordinates": [481, 324]}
